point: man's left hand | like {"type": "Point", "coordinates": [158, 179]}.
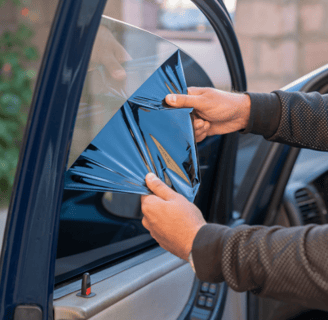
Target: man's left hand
{"type": "Point", "coordinates": [172, 220]}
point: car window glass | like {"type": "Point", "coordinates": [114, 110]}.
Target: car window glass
{"type": "Point", "coordinates": [119, 65]}
{"type": "Point", "coordinates": [98, 227]}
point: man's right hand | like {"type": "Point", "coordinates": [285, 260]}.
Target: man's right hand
{"type": "Point", "coordinates": [216, 112]}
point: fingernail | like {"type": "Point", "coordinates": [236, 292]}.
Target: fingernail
{"type": "Point", "coordinates": [151, 177]}
{"type": "Point", "coordinates": [119, 74]}
{"type": "Point", "coordinates": [172, 98]}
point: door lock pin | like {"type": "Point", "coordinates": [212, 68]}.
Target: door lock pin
{"type": "Point", "coordinates": [86, 287]}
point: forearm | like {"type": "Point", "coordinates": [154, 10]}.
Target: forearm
{"type": "Point", "coordinates": [286, 264]}
{"type": "Point", "coordinates": [295, 118]}
{"type": "Point", "coordinates": [304, 120]}
{"type": "Point", "coordinates": [265, 114]}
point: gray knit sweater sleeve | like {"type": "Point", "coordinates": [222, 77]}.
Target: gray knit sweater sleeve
{"type": "Point", "coordinates": [288, 264]}
{"type": "Point", "coordinates": [295, 118]}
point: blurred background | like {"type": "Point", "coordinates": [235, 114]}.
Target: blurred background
{"type": "Point", "coordinates": [280, 41]}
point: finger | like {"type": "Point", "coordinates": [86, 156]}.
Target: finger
{"type": "Point", "coordinates": [145, 223]}
{"type": "Point", "coordinates": [202, 129]}
{"type": "Point", "coordinates": [183, 101]}
{"type": "Point", "coordinates": [159, 188]}
{"type": "Point", "coordinates": [114, 68]}
{"type": "Point", "coordinates": [198, 123]}
{"type": "Point", "coordinates": [196, 91]}
{"type": "Point", "coordinates": [199, 133]}
{"type": "Point", "coordinates": [207, 126]}
{"type": "Point", "coordinates": [201, 137]}
{"type": "Point", "coordinates": [121, 54]}
{"type": "Point", "coordinates": [149, 202]}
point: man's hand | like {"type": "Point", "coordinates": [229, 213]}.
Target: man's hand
{"type": "Point", "coordinates": [216, 112]}
{"type": "Point", "coordinates": [109, 53]}
{"type": "Point", "coordinates": [172, 220]}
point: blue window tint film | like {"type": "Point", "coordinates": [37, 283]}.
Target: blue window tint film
{"type": "Point", "coordinates": [145, 135]}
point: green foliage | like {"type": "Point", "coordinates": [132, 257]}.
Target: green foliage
{"type": "Point", "coordinates": [15, 97]}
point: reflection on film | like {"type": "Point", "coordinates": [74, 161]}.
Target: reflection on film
{"type": "Point", "coordinates": [144, 135]}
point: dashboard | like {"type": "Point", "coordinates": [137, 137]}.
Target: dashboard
{"type": "Point", "coordinates": [305, 201]}
{"type": "Point", "coordinates": [306, 194]}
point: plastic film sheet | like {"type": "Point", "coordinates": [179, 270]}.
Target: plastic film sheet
{"type": "Point", "coordinates": [143, 136]}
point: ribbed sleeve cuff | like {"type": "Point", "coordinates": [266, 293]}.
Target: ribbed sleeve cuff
{"type": "Point", "coordinates": [207, 252]}
{"type": "Point", "coordinates": [265, 114]}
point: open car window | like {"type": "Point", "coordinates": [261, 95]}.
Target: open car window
{"type": "Point", "coordinates": [123, 58]}
{"type": "Point", "coordinates": [98, 227]}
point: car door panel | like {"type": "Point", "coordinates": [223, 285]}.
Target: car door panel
{"type": "Point", "coordinates": [162, 299]}
{"type": "Point", "coordinates": [162, 283]}
{"type": "Point", "coordinates": [236, 306]}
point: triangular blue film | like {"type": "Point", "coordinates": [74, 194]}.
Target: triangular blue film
{"type": "Point", "coordinates": [145, 135]}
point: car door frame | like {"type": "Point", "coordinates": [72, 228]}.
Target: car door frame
{"type": "Point", "coordinates": [28, 254]}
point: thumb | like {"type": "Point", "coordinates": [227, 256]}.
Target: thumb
{"type": "Point", "coordinates": [192, 100]}
{"type": "Point", "coordinates": [183, 100]}
{"type": "Point", "coordinates": [159, 188]}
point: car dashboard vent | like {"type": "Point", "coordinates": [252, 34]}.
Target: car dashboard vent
{"type": "Point", "coordinates": [308, 206]}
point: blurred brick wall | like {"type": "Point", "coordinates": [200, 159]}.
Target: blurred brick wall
{"type": "Point", "coordinates": [281, 40]}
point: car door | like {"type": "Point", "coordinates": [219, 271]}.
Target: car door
{"type": "Point", "coordinates": [54, 236]}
